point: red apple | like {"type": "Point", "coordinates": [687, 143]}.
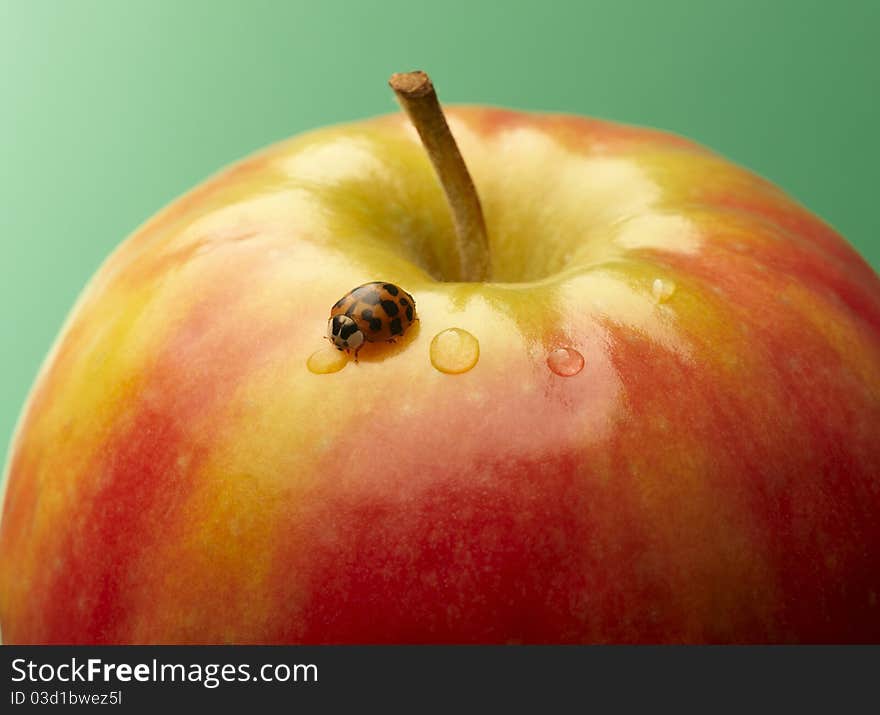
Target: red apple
{"type": "Point", "coordinates": [710, 474]}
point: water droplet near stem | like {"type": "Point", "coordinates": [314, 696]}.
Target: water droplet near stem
{"type": "Point", "coordinates": [662, 289]}
{"type": "Point", "coordinates": [454, 351]}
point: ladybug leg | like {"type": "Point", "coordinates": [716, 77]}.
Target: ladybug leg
{"type": "Point", "coordinates": [391, 340]}
{"type": "Point", "coordinates": [357, 350]}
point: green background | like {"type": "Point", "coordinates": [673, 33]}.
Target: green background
{"type": "Point", "coordinates": [108, 110]}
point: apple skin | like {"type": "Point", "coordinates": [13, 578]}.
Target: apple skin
{"type": "Point", "coordinates": [711, 475]}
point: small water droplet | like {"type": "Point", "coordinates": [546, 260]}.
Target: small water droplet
{"type": "Point", "coordinates": [454, 351]}
{"type": "Point", "coordinates": [565, 362]}
{"type": "Point", "coordinates": [662, 289]}
{"type": "Point", "coordinates": [326, 360]}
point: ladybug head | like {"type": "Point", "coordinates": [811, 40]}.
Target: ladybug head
{"type": "Point", "coordinates": [344, 333]}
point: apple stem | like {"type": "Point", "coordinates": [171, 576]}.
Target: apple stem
{"type": "Point", "coordinates": [419, 100]}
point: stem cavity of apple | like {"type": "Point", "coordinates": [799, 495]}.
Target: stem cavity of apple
{"type": "Point", "coordinates": [417, 97]}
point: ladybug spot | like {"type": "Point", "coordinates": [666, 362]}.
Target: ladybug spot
{"type": "Point", "coordinates": [375, 324]}
{"type": "Point", "coordinates": [391, 288]}
{"type": "Point", "coordinates": [396, 327]}
{"type": "Point", "coordinates": [409, 313]}
{"type": "Point", "coordinates": [390, 307]}
{"type": "Point", "coordinates": [367, 314]}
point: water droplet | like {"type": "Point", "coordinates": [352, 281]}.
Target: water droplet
{"type": "Point", "coordinates": [454, 351]}
{"type": "Point", "coordinates": [565, 362]}
{"type": "Point", "coordinates": [662, 289]}
{"type": "Point", "coordinates": [326, 360]}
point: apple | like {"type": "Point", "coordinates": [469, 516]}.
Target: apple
{"type": "Point", "coordinates": [641, 404]}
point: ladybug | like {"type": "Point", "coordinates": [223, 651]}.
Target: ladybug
{"type": "Point", "coordinates": [370, 313]}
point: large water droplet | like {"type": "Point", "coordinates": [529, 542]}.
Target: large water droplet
{"type": "Point", "coordinates": [565, 362]}
{"type": "Point", "coordinates": [662, 289]}
{"type": "Point", "coordinates": [326, 360]}
{"type": "Point", "coordinates": [454, 351]}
